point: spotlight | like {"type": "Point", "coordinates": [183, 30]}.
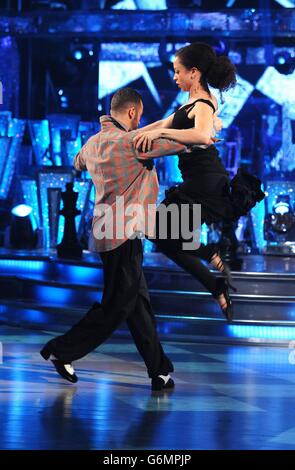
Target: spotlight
{"type": "Point", "coordinates": [281, 207]}
{"type": "Point", "coordinates": [23, 234]}
{"type": "Point", "coordinates": [82, 52]}
{"type": "Point", "coordinates": [22, 210]}
{"type": "Point", "coordinates": [282, 218]}
{"type": "Point", "coordinates": [64, 102]}
{"type": "Point", "coordinates": [78, 54]}
{"type": "Point", "coordinates": [284, 62]}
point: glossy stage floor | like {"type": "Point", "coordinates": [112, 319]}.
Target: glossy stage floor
{"type": "Point", "coordinates": [226, 397]}
{"type": "Point", "coordinates": [234, 382]}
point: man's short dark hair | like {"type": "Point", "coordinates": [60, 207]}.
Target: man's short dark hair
{"type": "Point", "coordinates": [124, 98]}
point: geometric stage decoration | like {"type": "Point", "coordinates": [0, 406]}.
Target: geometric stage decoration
{"type": "Point", "coordinates": [39, 132]}
{"type": "Point", "coordinates": [83, 188]}
{"type": "Point", "coordinates": [54, 197]}
{"type": "Point", "coordinates": [63, 128]}
{"type": "Point", "coordinates": [9, 145]}
{"type": "Point", "coordinates": [30, 197]}
{"type": "Point", "coordinates": [49, 178]}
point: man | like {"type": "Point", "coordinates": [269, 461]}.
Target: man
{"type": "Point", "coordinates": [116, 170]}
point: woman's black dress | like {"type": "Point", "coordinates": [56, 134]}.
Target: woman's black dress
{"type": "Point", "coordinates": [205, 180]}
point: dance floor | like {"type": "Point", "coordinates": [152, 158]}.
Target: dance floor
{"type": "Point", "coordinates": [226, 397]}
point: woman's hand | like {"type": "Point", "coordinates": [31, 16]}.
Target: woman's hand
{"type": "Point", "coordinates": [144, 140]}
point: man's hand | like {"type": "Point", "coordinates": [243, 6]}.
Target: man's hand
{"type": "Point", "coordinates": [144, 140]}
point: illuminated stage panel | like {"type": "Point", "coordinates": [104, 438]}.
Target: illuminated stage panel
{"type": "Point", "coordinates": [266, 332]}
{"type": "Point", "coordinates": [40, 136]}
{"type": "Point", "coordinates": [22, 266]}
{"type": "Point", "coordinates": [280, 88]}
{"type": "Point", "coordinates": [234, 100]}
{"type": "Point", "coordinates": [83, 188]}
{"type": "Point", "coordinates": [5, 143]}
{"type": "Point", "coordinates": [115, 74]}
{"type": "Point", "coordinates": [140, 4]}
{"type": "Point", "coordinates": [72, 147]}
{"type": "Point", "coordinates": [87, 130]}
{"type": "Point", "coordinates": [63, 127]}
{"type": "Point", "coordinates": [16, 129]}
{"type": "Point", "coordinates": [5, 117]}
{"type": "Point", "coordinates": [287, 3]}
{"type": "Point", "coordinates": [51, 179]}
{"type": "Point", "coordinates": [30, 194]}
{"type": "Point", "coordinates": [257, 215]}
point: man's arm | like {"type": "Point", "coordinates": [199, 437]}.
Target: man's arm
{"type": "Point", "coordinates": [79, 162]}
{"type": "Point", "coordinates": [161, 148]}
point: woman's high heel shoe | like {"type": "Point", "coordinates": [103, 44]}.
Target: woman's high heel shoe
{"type": "Point", "coordinates": [223, 289]}
{"type": "Point", "coordinates": [221, 265]}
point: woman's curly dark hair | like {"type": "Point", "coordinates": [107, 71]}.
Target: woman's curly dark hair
{"type": "Point", "coordinates": [217, 71]}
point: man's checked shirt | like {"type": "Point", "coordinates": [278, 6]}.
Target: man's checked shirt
{"type": "Point", "coordinates": [113, 163]}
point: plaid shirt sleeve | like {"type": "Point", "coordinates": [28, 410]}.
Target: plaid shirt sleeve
{"type": "Point", "coordinates": [161, 148]}
{"type": "Point", "coordinates": [79, 162]}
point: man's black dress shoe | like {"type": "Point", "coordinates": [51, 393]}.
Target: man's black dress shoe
{"type": "Point", "coordinates": [159, 384]}
{"type": "Point", "coordinates": [64, 369]}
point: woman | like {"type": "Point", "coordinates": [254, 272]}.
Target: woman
{"type": "Point", "coordinates": [205, 180]}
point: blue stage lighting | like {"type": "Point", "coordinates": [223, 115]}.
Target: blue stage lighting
{"type": "Point", "coordinates": [282, 208]}
{"type": "Point", "coordinates": [277, 86]}
{"type": "Point", "coordinates": [22, 210]}
{"type": "Point", "coordinates": [257, 215]}
{"type": "Point", "coordinates": [115, 74]}
{"type": "Point", "coordinates": [9, 154]}
{"type": "Point", "coordinates": [282, 204]}
{"type": "Point", "coordinates": [286, 3]}
{"type": "Point", "coordinates": [78, 54]}
{"type": "Point", "coordinates": [23, 226]}
{"type": "Point", "coordinates": [284, 62]}
{"type": "Point", "coordinates": [140, 5]}
{"type": "Point", "coordinates": [263, 332]}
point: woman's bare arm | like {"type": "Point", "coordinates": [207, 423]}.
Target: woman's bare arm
{"type": "Point", "coordinates": [201, 134]}
{"type": "Point", "coordinates": [161, 124]}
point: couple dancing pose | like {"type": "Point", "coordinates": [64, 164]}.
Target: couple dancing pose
{"type": "Point", "coordinates": [119, 160]}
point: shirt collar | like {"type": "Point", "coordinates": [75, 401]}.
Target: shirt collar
{"type": "Point", "coordinates": [106, 122]}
